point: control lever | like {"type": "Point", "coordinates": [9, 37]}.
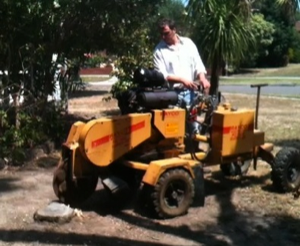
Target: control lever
{"type": "Point", "coordinates": [258, 86]}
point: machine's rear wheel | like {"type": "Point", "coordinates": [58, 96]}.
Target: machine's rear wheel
{"type": "Point", "coordinates": [71, 191]}
{"type": "Point", "coordinates": [286, 170]}
{"type": "Point", "coordinates": [234, 169]}
{"type": "Point", "coordinates": [173, 193]}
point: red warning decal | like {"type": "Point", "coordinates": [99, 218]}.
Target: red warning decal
{"type": "Point", "coordinates": [119, 137]}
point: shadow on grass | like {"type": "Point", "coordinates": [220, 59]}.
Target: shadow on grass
{"type": "Point", "coordinates": [233, 229]}
{"type": "Point", "coordinates": [103, 204]}
{"type": "Point", "coordinates": [88, 93]}
{"type": "Point", "coordinates": [288, 142]}
{"type": "Point", "coordinates": [59, 238]}
{"type": "Point", "coordinates": [7, 184]}
{"type": "Point", "coordinates": [232, 226]}
{"type": "Point", "coordinates": [218, 183]}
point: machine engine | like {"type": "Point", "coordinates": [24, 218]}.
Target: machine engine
{"type": "Point", "coordinates": [150, 91]}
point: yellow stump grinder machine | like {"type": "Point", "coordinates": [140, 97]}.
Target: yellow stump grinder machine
{"type": "Point", "coordinates": [149, 146]}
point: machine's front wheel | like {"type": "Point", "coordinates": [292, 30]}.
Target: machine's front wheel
{"type": "Point", "coordinates": [234, 169]}
{"type": "Point", "coordinates": [70, 191]}
{"type": "Point", "coordinates": [286, 170]}
{"type": "Point", "coordinates": [173, 193]}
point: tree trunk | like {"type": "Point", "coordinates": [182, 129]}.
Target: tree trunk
{"type": "Point", "coordinates": [214, 79]}
{"type": "Point", "coordinates": [7, 79]}
{"type": "Point", "coordinates": [16, 104]}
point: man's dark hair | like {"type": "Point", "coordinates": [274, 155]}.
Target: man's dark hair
{"type": "Point", "coordinates": [166, 22]}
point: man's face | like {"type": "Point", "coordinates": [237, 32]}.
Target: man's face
{"type": "Point", "coordinates": [168, 35]}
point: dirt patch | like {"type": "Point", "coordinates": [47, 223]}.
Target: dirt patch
{"type": "Point", "coordinates": [242, 211]}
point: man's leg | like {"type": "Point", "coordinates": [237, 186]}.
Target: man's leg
{"type": "Point", "coordinates": [195, 128]}
{"type": "Point", "coordinates": [185, 98]}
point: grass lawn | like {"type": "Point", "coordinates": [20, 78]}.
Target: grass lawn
{"type": "Point", "coordinates": [283, 75]}
{"type": "Point", "coordinates": [292, 70]}
{"type": "Point", "coordinates": [278, 117]}
{"type": "Point", "coordinates": [259, 80]}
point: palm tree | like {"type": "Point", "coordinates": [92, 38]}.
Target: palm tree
{"type": "Point", "coordinates": [289, 6]}
{"type": "Point", "coordinates": [222, 32]}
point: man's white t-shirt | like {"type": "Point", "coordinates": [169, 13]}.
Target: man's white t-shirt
{"type": "Point", "coordinates": [182, 59]}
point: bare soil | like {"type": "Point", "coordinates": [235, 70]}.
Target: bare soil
{"type": "Point", "coordinates": [245, 211]}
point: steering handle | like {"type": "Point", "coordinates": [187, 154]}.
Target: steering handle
{"type": "Point", "coordinates": [200, 87]}
{"type": "Point", "coordinates": [259, 85]}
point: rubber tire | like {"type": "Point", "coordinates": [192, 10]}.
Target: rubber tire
{"type": "Point", "coordinates": [72, 192]}
{"type": "Point", "coordinates": [283, 160]}
{"type": "Point", "coordinates": [233, 169]}
{"type": "Point", "coordinates": [199, 181]}
{"type": "Point", "coordinates": [161, 209]}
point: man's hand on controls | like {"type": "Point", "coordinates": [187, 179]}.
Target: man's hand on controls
{"type": "Point", "coordinates": [189, 84]}
{"type": "Point", "coordinates": [206, 85]}
{"type": "Point", "coordinates": [194, 86]}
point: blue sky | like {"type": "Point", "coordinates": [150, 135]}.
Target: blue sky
{"type": "Point", "coordinates": [184, 1]}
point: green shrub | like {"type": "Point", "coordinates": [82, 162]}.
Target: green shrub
{"type": "Point", "coordinates": [138, 55]}
{"type": "Point", "coordinates": [36, 126]}
{"type": "Point", "coordinates": [296, 56]}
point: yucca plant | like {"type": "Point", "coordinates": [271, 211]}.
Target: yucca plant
{"type": "Point", "coordinates": [222, 32]}
{"type": "Point", "coordinates": [289, 7]}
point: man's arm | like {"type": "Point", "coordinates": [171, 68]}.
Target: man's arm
{"type": "Point", "coordinates": [159, 64]}
{"type": "Point", "coordinates": [183, 81]}
{"type": "Point", "coordinates": [200, 69]}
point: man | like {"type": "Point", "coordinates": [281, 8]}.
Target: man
{"type": "Point", "coordinates": [178, 59]}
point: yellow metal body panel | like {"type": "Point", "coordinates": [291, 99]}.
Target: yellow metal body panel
{"type": "Point", "coordinates": [224, 107]}
{"type": "Point", "coordinates": [74, 132]}
{"type": "Point", "coordinates": [136, 165]}
{"type": "Point", "coordinates": [232, 132]}
{"type": "Point", "coordinates": [259, 138]}
{"type": "Point", "coordinates": [156, 168]}
{"type": "Point", "coordinates": [170, 122]}
{"type": "Point", "coordinates": [104, 140]}
{"type": "Point", "coordinates": [80, 166]}
{"type": "Point", "coordinates": [170, 153]}
{"type": "Point", "coordinates": [199, 155]}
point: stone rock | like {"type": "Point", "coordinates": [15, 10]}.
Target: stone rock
{"type": "Point", "coordinates": [55, 212]}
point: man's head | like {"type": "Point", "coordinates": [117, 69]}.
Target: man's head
{"type": "Point", "coordinates": [167, 31]}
